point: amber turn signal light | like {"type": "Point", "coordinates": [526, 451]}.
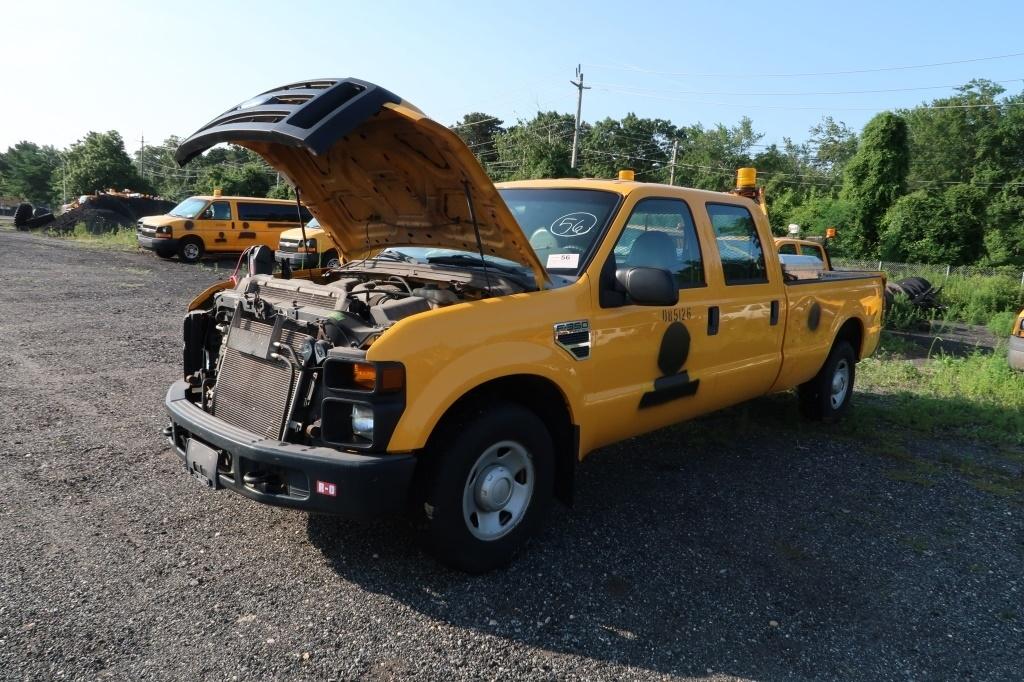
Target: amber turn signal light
{"type": "Point", "coordinates": [365, 376]}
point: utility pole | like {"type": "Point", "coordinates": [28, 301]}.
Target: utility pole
{"type": "Point", "coordinates": [672, 170]}
{"type": "Point", "coordinates": [142, 157]}
{"type": "Point", "coordinates": [579, 108]}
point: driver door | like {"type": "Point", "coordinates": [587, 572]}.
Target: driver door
{"type": "Point", "coordinates": [650, 365]}
{"type": "Point", "coordinates": [217, 224]}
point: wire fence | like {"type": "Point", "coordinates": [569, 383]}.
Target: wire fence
{"type": "Point", "coordinates": [933, 272]}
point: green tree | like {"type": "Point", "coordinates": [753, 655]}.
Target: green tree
{"type": "Point", "coordinates": [538, 148]}
{"type": "Point", "coordinates": [98, 162]}
{"type": "Point", "coordinates": [831, 144]}
{"type": "Point", "coordinates": [27, 171]}
{"type": "Point", "coordinates": [479, 130]}
{"type": "Point", "coordinates": [874, 179]}
{"type": "Point", "coordinates": [708, 157]}
{"type": "Point", "coordinates": [945, 228]}
{"type": "Point", "coordinates": [642, 144]}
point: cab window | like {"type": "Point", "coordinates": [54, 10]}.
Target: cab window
{"type": "Point", "coordinates": [808, 250]}
{"type": "Point", "coordinates": [218, 210]}
{"type": "Point", "coordinates": [739, 246]}
{"type": "Point", "coordinates": [788, 250]}
{"type": "Point", "coordinates": [660, 234]}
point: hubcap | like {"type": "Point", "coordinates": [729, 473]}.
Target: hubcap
{"type": "Point", "coordinates": [191, 251]}
{"type": "Point", "coordinates": [498, 490]}
{"type": "Point", "coordinates": [840, 384]}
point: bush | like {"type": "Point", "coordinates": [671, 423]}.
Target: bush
{"type": "Point", "coordinates": [976, 299]}
{"type": "Point", "coordinates": [904, 315]}
{"type": "Point", "coordinates": [1001, 324]}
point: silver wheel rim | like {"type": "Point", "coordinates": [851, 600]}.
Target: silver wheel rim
{"type": "Point", "coordinates": [333, 263]}
{"type": "Point", "coordinates": [840, 384]}
{"type": "Point", "coordinates": [498, 490]}
{"type": "Point", "coordinates": [191, 251]}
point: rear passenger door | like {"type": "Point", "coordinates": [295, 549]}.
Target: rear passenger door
{"type": "Point", "coordinates": [251, 217]}
{"type": "Point", "coordinates": [747, 320]}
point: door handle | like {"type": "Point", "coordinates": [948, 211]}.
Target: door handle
{"type": "Point", "coordinates": [775, 313]}
{"type": "Point", "coordinates": [712, 320]}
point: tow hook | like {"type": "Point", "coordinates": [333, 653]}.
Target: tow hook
{"type": "Point", "coordinates": [262, 481]}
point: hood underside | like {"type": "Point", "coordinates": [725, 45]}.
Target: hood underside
{"type": "Point", "coordinates": [374, 170]}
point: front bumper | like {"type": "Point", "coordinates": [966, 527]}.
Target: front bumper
{"type": "Point", "coordinates": [365, 486]}
{"type": "Point", "coordinates": [1015, 353]}
{"type": "Point", "coordinates": [298, 261]}
{"type": "Point", "coordinates": [164, 246]}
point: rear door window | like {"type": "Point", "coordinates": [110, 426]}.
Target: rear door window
{"type": "Point", "coordinates": [739, 245]}
{"type": "Point", "coordinates": [271, 213]}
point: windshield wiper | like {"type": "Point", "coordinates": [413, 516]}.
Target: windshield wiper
{"type": "Point", "coordinates": [390, 254]}
{"type": "Point", "coordinates": [476, 261]}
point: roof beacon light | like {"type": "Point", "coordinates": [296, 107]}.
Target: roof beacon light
{"type": "Point", "coordinates": [830, 233]}
{"type": "Point", "coordinates": [217, 192]}
{"type": "Point", "coordinates": [746, 177]}
{"type": "Point", "coordinates": [794, 228]}
{"type": "Point", "coordinates": [627, 175]}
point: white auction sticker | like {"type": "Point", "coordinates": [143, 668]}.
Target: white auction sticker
{"type": "Point", "coordinates": [564, 260]}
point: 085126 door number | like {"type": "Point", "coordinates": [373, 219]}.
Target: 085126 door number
{"type": "Point", "coordinates": [676, 314]}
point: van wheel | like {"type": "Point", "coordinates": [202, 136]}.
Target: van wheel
{"type": "Point", "coordinates": [827, 396]}
{"type": "Point", "coordinates": [330, 260]}
{"type": "Point", "coordinates": [191, 249]}
{"type": "Point", "coordinates": [489, 484]}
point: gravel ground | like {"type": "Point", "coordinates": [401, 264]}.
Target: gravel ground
{"type": "Point", "coordinates": [789, 555]}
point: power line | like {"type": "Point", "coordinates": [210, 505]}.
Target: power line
{"type": "Point", "coordinates": [805, 74]}
{"type": "Point", "coordinates": [793, 94]}
{"type": "Point", "coordinates": [746, 105]}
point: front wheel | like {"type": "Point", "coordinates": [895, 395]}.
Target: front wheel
{"type": "Point", "coordinates": [330, 260]}
{"type": "Point", "coordinates": [191, 249]}
{"type": "Point", "coordinates": [827, 396]}
{"type": "Point", "coordinates": [489, 485]}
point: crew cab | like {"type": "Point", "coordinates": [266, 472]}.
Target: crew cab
{"type": "Point", "coordinates": [539, 321]}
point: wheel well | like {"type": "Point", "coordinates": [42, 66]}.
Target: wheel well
{"type": "Point", "coordinates": [543, 398]}
{"type": "Point", "coordinates": [852, 331]}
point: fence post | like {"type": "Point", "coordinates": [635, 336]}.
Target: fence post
{"type": "Point", "coordinates": [947, 272]}
{"type": "Point", "coordinates": [879, 265]}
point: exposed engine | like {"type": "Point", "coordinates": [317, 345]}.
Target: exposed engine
{"type": "Point", "coordinates": [259, 357]}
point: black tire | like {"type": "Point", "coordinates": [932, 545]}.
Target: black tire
{"type": "Point", "coordinates": [164, 254]}
{"type": "Point", "coordinates": [22, 214]}
{"type": "Point", "coordinates": [818, 399]}
{"type": "Point", "coordinates": [453, 472]}
{"type": "Point", "coordinates": [329, 257]}
{"type": "Point", "coordinates": [191, 249]}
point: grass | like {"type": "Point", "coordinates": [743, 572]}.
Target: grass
{"type": "Point", "coordinates": [977, 396]}
{"type": "Point", "coordinates": [976, 299]}
{"type": "Point", "coordinates": [121, 239]}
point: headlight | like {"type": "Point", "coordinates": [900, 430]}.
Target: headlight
{"type": "Point", "coordinates": [1022, 324]}
{"type": "Point", "coordinates": [164, 229]}
{"type": "Point", "coordinates": [362, 421]}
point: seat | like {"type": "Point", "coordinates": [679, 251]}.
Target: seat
{"type": "Point", "coordinates": [654, 249]}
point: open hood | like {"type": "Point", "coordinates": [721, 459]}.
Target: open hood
{"type": "Point", "coordinates": [372, 168]}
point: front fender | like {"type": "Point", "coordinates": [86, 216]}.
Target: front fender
{"type": "Point", "coordinates": [449, 352]}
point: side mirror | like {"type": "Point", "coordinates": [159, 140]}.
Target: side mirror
{"type": "Point", "coordinates": [649, 286]}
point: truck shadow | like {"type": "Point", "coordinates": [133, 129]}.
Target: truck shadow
{"type": "Point", "coordinates": [746, 543]}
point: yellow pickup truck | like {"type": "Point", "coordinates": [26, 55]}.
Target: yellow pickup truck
{"type": "Point", "coordinates": [536, 322]}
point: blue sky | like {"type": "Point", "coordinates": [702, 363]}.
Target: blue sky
{"type": "Point", "coordinates": [163, 68]}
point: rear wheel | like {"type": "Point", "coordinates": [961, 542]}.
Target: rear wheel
{"type": "Point", "coordinates": [827, 396]}
{"type": "Point", "coordinates": [190, 249]}
{"type": "Point", "coordinates": [488, 487]}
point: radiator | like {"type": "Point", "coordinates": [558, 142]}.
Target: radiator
{"type": "Point", "coordinates": [252, 393]}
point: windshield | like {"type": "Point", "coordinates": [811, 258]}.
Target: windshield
{"type": "Point", "coordinates": [189, 208]}
{"type": "Point", "coordinates": [563, 225]}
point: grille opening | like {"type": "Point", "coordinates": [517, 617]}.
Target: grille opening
{"type": "Point", "coordinates": [249, 117]}
{"type": "Point", "coordinates": [325, 103]}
